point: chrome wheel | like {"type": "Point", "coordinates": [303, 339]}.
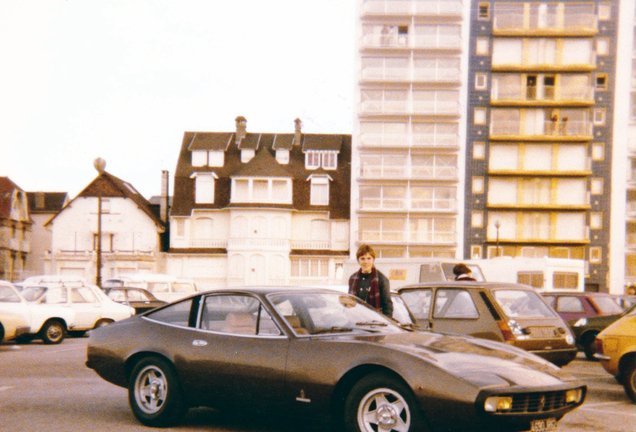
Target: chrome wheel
{"type": "Point", "coordinates": [151, 389]}
{"type": "Point", "coordinates": [383, 409]}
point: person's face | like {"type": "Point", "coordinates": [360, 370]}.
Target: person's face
{"type": "Point", "coordinates": [366, 262]}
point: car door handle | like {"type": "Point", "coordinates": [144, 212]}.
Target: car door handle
{"type": "Point", "coordinates": [199, 343]}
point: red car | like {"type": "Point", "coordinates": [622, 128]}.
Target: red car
{"type": "Point", "coordinates": [572, 306]}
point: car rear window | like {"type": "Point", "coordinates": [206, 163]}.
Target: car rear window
{"type": "Point", "coordinates": [608, 305]}
{"type": "Point", "coordinates": [522, 304]}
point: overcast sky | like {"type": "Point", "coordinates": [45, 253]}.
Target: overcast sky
{"type": "Point", "coordinates": [124, 79]}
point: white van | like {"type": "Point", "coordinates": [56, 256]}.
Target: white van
{"type": "Point", "coordinates": [164, 287]}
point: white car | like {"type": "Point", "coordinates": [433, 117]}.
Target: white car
{"type": "Point", "coordinates": [92, 308]}
{"type": "Point", "coordinates": [48, 322]}
{"type": "Point", "coordinates": [12, 325]}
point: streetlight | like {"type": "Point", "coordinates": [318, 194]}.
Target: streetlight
{"type": "Point", "coordinates": [99, 165]}
{"type": "Point", "coordinates": [497, 225]}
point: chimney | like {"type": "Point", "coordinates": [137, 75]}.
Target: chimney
{"type": "Point", "coordinates": [165, 196]}
{"type": "Point", "coordinates": [297, 133]}
{"type": "Point", "coordinates": [241, 128]}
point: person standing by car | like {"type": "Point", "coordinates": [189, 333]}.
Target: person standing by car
{"type": "Point", "coordinates": [463, 273]}
{"type": "Point", "coordinates": [369, 284]}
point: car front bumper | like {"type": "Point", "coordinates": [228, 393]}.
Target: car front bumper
{"type": "Point", "coordinates": [559, 357]}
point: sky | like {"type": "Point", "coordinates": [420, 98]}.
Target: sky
{"type": "Point", "coordinates": [124, 79]}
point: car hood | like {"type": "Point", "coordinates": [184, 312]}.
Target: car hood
{"type": "Point", "coordinates": [482, 362]}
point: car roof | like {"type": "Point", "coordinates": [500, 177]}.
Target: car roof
{"type": "Point", "coordinates": [468, 285]}
{"type": "Point", "coordinates": [264, 290]}
{"type": "Point", "coordinates": [577, 293]}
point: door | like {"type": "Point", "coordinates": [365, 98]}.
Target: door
{"type": "Point", "coordinates": [87, 308]}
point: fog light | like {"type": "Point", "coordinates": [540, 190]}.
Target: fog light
{"type": "Point", "coordinates": [498, 404]}
{"type": "Point", "coordinates": [573, 396]}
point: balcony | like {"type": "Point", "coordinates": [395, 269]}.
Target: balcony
{"type": "Point", "coordinates": [412, 42]}
{"type": "Point", "coordinates": [405, 237]}
{"type": "Point", "coordinates": [577, 130]}
{"type": "Point", "coordinates": [435, 172]}
{"type": "Point", "coordinates": [435, 140]}
{"type": "Point", "coordinates": [403, 107]}
{"type": "Point", "coordinates": [259, 243]}
{"type": "Point", "coordinates": [312, 244]}
{"type": "Point", "coordinates": [571, 23]}
{"type": "Point", "coordinates": [208, 243]}
{"type": "Point", "coordinates": [555, 171]}
{"type": "Point", "coordinates": [388, 74]}
{"type": "Point", "coordinates": [545, 64]}
{"type": "Point", "coordinates": [438, 8]}
{"type": "Point", "coordinates": [528, 97]}
{"type": "Point", "coordinates": [19, 245]}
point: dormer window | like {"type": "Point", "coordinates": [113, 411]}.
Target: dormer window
{"type": "Point", "coordinates": [326, 159]}
{"type": "Point", "coordinates": [282, 156]}
{"type": "Point", "coordinates": [247, 155]}
{"type": "Point", "coordinates": [213, 158]}
{"type": "Point", "coordinates": [204, 188]}
{"type": "Point", "coordinates": [319, 190]}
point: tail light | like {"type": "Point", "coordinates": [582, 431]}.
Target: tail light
{"type": "Point", "coordinates": [509, 329]}
{"type": "Point", "coordinates": [599, 346]}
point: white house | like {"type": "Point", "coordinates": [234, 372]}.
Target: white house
{"type": "Point", "coordinates": [261, 208]}
{"type": "Point", "coordinates": [131, 231]}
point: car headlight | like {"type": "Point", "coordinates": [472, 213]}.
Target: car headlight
{"type": "Point", "coordinates": [581, 322]}
{"type": "Point", "coordinates": [573, 396]}
{"type": "Point", "coordinates": [569, 339]}
{"type": "Point", "coordinates": [498, 404]}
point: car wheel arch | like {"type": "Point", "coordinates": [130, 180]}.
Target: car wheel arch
{"type": "Point", "coordinates": [626, 359]}
{"type": "Point", "coordinates": [349, 379]}
{"type": "Point", "coordinates": [54, 319]}
{"type": "Point", "coordinates": [135, 358]}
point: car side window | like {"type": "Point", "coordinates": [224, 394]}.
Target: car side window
{"type": "Point", "coordinates": [8, 296]}
{"type": "Point", "coordinates": [176, 313]}
{"type": "Point", "coordinates": [56, 295]}
{"type": "Point", "coordinates": [134, 295]}
{"type": "Point", "coordinates": [454, 303]}
{"type": "Point", "coordinates": [82, 295]}
{"type": "Point", "coordinates": [117, 295]}
{"type": "Point", "coordinates": [237, 314]}
{"type": "Point", "coordinates": [160, 287]}
{"type": "Point", "coordinates": [569, 304]}
{"type": "Point", "coordinates": [419, 301]}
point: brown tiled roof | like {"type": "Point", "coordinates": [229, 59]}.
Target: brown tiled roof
{"type": "Point", "coordinates": [107, 185]}
{"type": "Point", "coordinates": [210, 141]}
{"type": "Point", "coordinates": [6, 193]}
{"type": "Point", "coordinates": [46, 202]}
{"type": "Point", "coordinates": [265, 164]}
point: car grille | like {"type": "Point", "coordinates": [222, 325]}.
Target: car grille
{"type": "Point", "coordinates": [538, 402]}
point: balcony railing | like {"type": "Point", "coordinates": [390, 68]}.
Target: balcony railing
{"type": "Point", "coordinates": [567, 94]}
{"type": "Point", "coordinates": [415, 237]}
{"type": "Point", "coordinates": [572, 21]}
{"type": "Point", "coordinates": [403, 107]}
{"type": "Point", "coordinates": [438, 41]}
{"type": "Point", "coordinates": [414, 7]}
{"type": "Point", "coordinates": [405, 172]}
{"type": "Point", "coordinates": [242, 243]}
{"type": "Point", "coordinates": [409, 140]}
{"type": "Point", "coordinates": [405, 75]}
{"type": "Point", "coordinates": [551, 128]}
{"type": "Point", "coordinates": [311, 244]}
{"type": "Point", "coordinates": [208, 243]}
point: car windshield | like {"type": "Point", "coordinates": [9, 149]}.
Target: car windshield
{"type": "Point", "coordinates": [7, 295]}
{"type": "Point", "coordinates": [522, 304]}
{"type": "Point", "coordinates": [319, 313]}
{"type": "Point", "coordinates": [33, 294]}
{"type": "Point", "coordinates": [608, 305]}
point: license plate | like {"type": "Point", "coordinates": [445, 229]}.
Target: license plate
{"type": "Point", "coordinates": [543, 425]}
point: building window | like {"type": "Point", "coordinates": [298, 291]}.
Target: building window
{"type": "Point", "coordinates": [312, 160]}
{"type": "Point", "coordinates": [105, 207]}
{"type": "Point", "coordinates": [480, 116]}
{"type": "Point", "coordinates": [596, 220]}
{"type": "Point", "coordinates": [475, 252]}
{"type": "Point", "coordinates": [180, 231]}
{"type": "Point", "coordinates": [604, 11]}
{"type": "Point", "coordinates": [330, 160]}
{"type": "Point", "coordinates": [596, 254]}
{"type": "Point", "coordinates": [601, 82]}
{"type": "Point", "coordinates": [199, 158]}
{"type": "Point", "coordinates": [477, 219]}
{"type": "Point", "coordinates": [602, 46]}
{"type": "Point", "coordinates": [478, 185]}
{"type": "Point", "coordinates": [599, 116]}
{"type": "Point", "coordinates": [253, 190]}
{"type": "Point", "coordinates": [479, 150]}
{"type": "Point", "coordinates": [483, 11]}
{"type": "Point", "coordinates": [533, 279]}
{"type": "Point", "coordinates": [483, 46]}
{"type": "Point", "coordinates": [216, 158]}
{"type": "Point", "coordinates": [204, 189]}
{"type": "Point", "coordinates": [598, 151]}
{"type": "Point", "coordinates": [319, 190]}
{"type": "Point", "coordinates": [309, 267]}
{"type": "Point", "coordinates": [481, 81]}
{"type": "Point", "coordinates": [596, 186]}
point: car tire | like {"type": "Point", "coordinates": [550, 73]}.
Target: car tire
{"type": "Point", "coordinates": [154, 393]}
{"type": "Point", "coordinates": [390, 399]}
{"type": "Point", "coordinates": [629, 380]}
{"type": "Point", "coordinates": [52, 332]}
{"type": "Point", "coordinates": [589, 346]}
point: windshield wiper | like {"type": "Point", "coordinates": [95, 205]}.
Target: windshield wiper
{"type": "Point", "coordinates": [334, 329]}
{"type": "Point", "coordinates": [372, 323]}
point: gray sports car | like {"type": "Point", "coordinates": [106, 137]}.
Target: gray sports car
{"type": "Point", "coordinates": [324, 354]}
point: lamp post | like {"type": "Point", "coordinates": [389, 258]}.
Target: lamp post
{"type": "Point", "coordinates": [497, 225]}
{"type": "Point", "coordinates": [99, 165]}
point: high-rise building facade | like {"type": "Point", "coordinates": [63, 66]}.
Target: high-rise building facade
{"type": "Point", "coordinates": [408, 130]}
{"type": "Point", "coordinates": [539, 146]}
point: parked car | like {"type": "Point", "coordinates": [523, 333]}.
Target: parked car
{"type": "Point", "coordinates": [616, 347]}
{"type": "Point", "coordinates": [91, 306]}
{"type": "Point", "coordinates": [48, 322]}
{"type": "Point", "coordinates": [12, 325]}
{"type": "Point", "coordinates": [318, 353]}
{"type": "Point", "coordinates": [626, 300]}
{"type": "Point", "coordinates": [138, 298]}
{"type": "Point", "coordinates": [586, 329]}
{"type": "Point", "coordinates": [164, 287]}
{"type": "Point", "coordinates": [572, 305]}
{"type": "Point", "coordinates": [504, 312]}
